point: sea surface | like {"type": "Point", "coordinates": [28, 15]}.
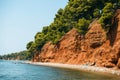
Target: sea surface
{"type": "Point", "coordinates": [15, 70]}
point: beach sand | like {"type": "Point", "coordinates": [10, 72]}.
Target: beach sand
{"type": "Point", "coordinates": [79, 67]}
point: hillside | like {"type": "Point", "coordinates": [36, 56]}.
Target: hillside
{"type": "Point", "coordinates": [77, 14]}
{"type": "Point", "coordinates": [84, 32]}
{"type": "Point", "coordinates": [22, 55]}
{"type": "Point", "coordinates": [93, 49]}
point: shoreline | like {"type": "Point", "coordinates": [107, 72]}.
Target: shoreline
{"type": "Point", "coordinates": [78, 67]}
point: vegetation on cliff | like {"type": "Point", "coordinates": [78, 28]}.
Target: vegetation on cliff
{"type": "Point", "coordinates": [78, 14]}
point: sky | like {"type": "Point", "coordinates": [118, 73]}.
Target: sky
{"type": "Point", "coordinates": [20, 20]}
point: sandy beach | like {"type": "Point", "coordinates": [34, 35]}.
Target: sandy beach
{"type": "Point", "coordinates": [79, 67]}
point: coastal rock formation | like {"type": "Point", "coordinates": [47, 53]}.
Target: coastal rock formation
{"type": "Point", "coordinates": [96, 48]}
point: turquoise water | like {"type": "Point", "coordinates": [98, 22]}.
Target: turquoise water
{"type": "Point", "coordinates": [12, 70]}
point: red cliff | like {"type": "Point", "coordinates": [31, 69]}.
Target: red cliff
{"type": "Point", "coordinates": [96, 48]}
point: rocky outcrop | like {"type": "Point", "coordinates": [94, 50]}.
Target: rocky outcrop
{"type": "Point", "coordinates": [96, 48]}
{"type": "Point", "coordinates": [96, 36]}
{"type": "Point", "coordinates": [46, 54]}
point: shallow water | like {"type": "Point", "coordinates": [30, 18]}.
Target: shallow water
{"type": "Point", "coordinates": [13, 70]}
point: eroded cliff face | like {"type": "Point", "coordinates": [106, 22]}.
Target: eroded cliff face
{"type": "Point", "coordinates": [96, 48]}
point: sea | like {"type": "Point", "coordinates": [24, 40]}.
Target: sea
{"type": "Point", "coordinates": [17, 70]}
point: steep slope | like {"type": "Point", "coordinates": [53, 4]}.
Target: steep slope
{"type": "Point", "coordinates": [76, 14]}
{"type": "Point", "coordinates": [96, 48]}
